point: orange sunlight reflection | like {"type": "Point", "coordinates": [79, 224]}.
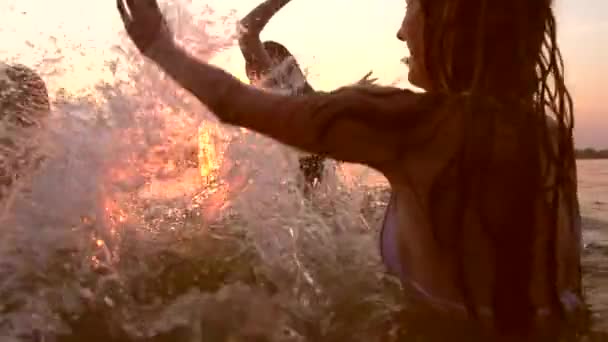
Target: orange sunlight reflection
{"type": "Point", "coordinates": [160, 174]}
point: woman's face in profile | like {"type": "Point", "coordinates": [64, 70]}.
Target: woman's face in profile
{"type": "Point", "coordinates": [412, 33]}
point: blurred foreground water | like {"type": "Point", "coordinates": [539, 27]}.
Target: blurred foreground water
{"type": "Point", "coordinates": [149, 223]}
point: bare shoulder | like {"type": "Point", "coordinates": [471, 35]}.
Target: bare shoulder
{"type": "Point", "coordinates": [392, 106]}
{"type": "Point", "coordinates": [398, 113]}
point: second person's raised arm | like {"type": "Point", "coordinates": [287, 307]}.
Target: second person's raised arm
{"type": "Point", "coordinates": [251, 26]}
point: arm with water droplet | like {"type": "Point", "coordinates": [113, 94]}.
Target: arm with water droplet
{"type": "Point", "coordinates": [250, 28]}
{"type": "Point", "coordinates": [368, 125]}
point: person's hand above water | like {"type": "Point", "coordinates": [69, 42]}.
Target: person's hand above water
{"type": "Point", "coordinates": [366, 80]}
{"type": "Point", "coordinates": [145, 24]}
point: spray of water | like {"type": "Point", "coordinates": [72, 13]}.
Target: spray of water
{"type": "Point", "coordinates": [148, 219]}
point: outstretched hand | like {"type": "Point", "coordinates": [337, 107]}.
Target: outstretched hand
{"type": "Point", "coordinates": [366, 80]}
{"type": "Point", "coordinates": [145, 24]}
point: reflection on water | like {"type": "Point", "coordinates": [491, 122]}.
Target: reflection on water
{"type": "Point", "coordinates": [593, 188]}
{"type": "Point", "coordinates": [593, 196]}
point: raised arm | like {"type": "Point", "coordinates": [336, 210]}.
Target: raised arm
{"type": "Point", "coordinates": [369, 125]}
{"type": "Point", "coordinates": [363, 124]}
{"type": "Point", "coordinates": [252, 25]}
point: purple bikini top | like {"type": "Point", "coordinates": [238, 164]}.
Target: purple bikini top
{"type": "Point", "coordinates": [389, 245]}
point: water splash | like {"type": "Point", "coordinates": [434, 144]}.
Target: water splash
{"type": "Point", "coordinates": [118, 237]}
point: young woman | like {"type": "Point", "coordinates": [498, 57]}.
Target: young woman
{"type": "Point", "coordinates": [271, 65]}
{"type": "Point", "coordinates": [24, 104]}
{"type": "Point", "coordinates": [483, 226]}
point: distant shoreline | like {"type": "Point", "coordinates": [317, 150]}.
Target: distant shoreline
{"type": "Point", "coordinates": [590, 153]}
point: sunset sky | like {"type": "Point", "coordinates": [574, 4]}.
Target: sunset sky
{"type": "Point", "coordinates": [337, 40]}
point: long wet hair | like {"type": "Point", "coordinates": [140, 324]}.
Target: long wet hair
{"type": "Point", "coordinates": [503, 55]}
{"type": "Point", "coordinates": [277, 53]}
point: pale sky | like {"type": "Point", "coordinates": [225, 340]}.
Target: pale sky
{"type": "Point", "coordinates": [337, 40]}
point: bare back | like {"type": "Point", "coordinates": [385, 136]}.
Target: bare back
{"type": "Point", "coordinates": [427, 201]}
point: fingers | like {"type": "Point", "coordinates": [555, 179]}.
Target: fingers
{"type": "Point", "coordinates": [137, 8]}
{"type": "Point", "coordinates": [370, 80]}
